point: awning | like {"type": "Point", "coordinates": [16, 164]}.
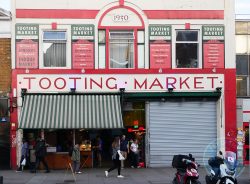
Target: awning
{"type": "Point", "coordinates": [73, 111]}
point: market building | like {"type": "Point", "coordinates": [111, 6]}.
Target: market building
{"type": "Point", "coordinates": [5, 86]}
{"type": "Point", "coordinates": [161, 72]}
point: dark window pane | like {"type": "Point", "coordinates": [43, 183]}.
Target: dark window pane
{"type": "Point", "coordinates": [241, 27]}
{"type": "Point", "coordinates": [241, 86]}
{"type": "Point", "coordinates": [242, 64]}
{"type": "Point", "coordinates": [187, 36]}
{"type": "Point", "coordinates": [187, 55]}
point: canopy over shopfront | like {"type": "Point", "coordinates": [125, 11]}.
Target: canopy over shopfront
{"type": "Point", "coordinates": [70, 111]}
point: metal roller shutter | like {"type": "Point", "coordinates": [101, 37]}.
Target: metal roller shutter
{"type": "Point", "coordinates": [181, 127]}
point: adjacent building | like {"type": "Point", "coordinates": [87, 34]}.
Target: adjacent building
{"type": "Point", "coordinates": [162, 72]}
{"type": "Point", "coordinates": [243, 71]}
{"type": "Point", "coordinates": [5, 86]}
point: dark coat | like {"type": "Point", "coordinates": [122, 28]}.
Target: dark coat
{"type": "Point", "coordinates": [40, 148]}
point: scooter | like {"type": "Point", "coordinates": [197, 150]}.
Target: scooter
{"type": "Point", "coordinates": [223, 169]}
{"type": "Point", "coordinates": [187, 170]}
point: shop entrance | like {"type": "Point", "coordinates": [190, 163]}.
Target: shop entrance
{"type": "Point", "coordinates": [4, 146]}
{"type": "Point", "coordinates": [60, 140]}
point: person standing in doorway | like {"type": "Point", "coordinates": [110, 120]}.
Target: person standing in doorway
{"type": "Point", "coordinates": [124, 149]}
{"type": "Point", "coordinates": [40, 149]}
{"type": "Point", "coordinates": [134, 154]}
{"type": "Point", "coordinates": [115, 158]}
{"type": "Point", "coordinates": [98, 150]}
{"type": "Point", "coordinates": [25, 155]}
{"type": "Point", "coordinates": [76, 159]}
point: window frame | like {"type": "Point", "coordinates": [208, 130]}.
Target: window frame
{"type": "Point", "coordinates": [108, 42]}
{"type": "Point", "coordinates": [199, 42]}
{"type": "Point", "coordinates": [60, 28]}
{"type": "Point", "coordinates": [107, 49]}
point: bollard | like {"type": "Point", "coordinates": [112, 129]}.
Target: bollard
{"type": "Point", "coordinates": [1, 179]}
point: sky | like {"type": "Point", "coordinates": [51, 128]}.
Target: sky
{"type": "Point", "coordinates": [242, 7]}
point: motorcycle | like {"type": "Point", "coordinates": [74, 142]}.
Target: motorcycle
{"type": "Point", "coordinates": [187, 170]}
{"type": "Point", "coordinates": [223, 169]}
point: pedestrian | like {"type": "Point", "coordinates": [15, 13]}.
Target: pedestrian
{"type": "Point", "coordinates": [24, 155]}
{"type": "Point", "coordinates": [40, 152]}
{"type": "Point", "coordinates": [98, 151]}
{"type": "Point", "coordinates": [115, 158]}
{"type": "Point", "coordinates": [134, 154]}
{"type": "Point", "coordinates": [124, 149]}
{"type": "Point", "coordinates": [76, 159]}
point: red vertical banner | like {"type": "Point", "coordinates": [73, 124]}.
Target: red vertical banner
{"type": "Point", "coordinates": [27, 39]}
{"type": "Point", "coordinates": [83, 54]}
{"type": "Point", "coordinates": [213, 46]}
{"type": "Point", "coordinates": [26, 54]}
{"type": "Point", "coordinates": [213, 55]}
{"type": "Point", "coordinates": [160, 46]}
{"type": "Point", "coordinates": [82, 36]}
{"type": "Point", "coordinates": [160, 54]}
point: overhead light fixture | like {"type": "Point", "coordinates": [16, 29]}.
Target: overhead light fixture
{"type": "Point", "coordinates": [170, 89]}
{"type": "Point", "coordinates": [122, 90]}
{"type": "Point", "coordinates": [72, 90]}
{"type": "Point", "coordinates": [23, 91]}
{"type": "Point", "coordinates": [218, 89]}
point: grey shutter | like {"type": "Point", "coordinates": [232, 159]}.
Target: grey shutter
{"type": "Point", "coordinates": [181, 127]}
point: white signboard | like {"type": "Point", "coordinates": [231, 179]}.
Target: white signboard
{"type": "Point", "coordinates": [112, 83]}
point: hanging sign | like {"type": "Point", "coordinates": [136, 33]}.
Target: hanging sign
{"type": "Point", "coordinates": [160, 46]}
{"type": "Point", "coordinates": [213, 46]}
{"type": "Point", "coordinates": [27, 45]}
{"type": "Point", "coordinates": [82, 46]}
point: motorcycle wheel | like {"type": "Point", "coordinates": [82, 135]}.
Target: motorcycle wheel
{"type": "Point", "coordinates": [193, 182]}
{"type": "Point", "coordinates": [208, 180]}
{"type": "Point", "coordinates": [174, 181]}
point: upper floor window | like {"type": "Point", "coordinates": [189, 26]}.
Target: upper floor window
{"type": "Point", "coordinates": [121, 49]}
{"type": "Point", "coordinates": [54, 48]}
{"type": "Point", "coordinates": [187, 48]}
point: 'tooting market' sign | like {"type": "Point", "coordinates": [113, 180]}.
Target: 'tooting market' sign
{"type": "Point", "coordinates": [213, 46]}
{"type": "Point", "coordinates": [27, 45]}
{"type": "Point", "coordinates": [82, 46]}
{"type": "Point", "coordinates": [160, 46]}
{"type": "Point", "coordinates": [112, 83]}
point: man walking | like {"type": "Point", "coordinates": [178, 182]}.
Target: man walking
{"type": "Point", "coordinates": [40, 154]}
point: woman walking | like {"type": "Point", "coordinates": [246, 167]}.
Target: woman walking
{"type": "Point", "coordinates": [115, 158]}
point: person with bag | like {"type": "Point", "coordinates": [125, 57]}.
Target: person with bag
{"type": "Point", "coordinates": [124, 149]}
{"type": "Point", "coordinates": [24, 156]}
{"type": "Point", "coordinates": [115, 158]}
{"type": "Point", "coordinates": [40, 151]}
{"type": "Point", "coordinates": [76, 159]}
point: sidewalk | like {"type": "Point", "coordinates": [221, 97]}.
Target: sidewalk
{"type": "Point", "coordinates": [97, 176]}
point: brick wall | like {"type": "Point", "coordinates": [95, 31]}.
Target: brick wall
{"type": "Point", "coordinates": [5, 65]}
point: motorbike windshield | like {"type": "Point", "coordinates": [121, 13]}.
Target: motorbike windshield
{"type": "Point", "coordinates": [230, 160]}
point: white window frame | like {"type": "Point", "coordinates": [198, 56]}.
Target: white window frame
{"type": "Point", "coordinates": [134, 46]}
{"type": "Point", "coordinates": [63, 28]}
{"type": "Point", "coordinates": [180, 28]}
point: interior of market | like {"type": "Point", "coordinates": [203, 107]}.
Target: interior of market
{"type": "Point", "coordinates": [60, 141]}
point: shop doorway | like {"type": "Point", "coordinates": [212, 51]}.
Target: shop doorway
{"type": "Point", "coordinates": [4, 146]}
